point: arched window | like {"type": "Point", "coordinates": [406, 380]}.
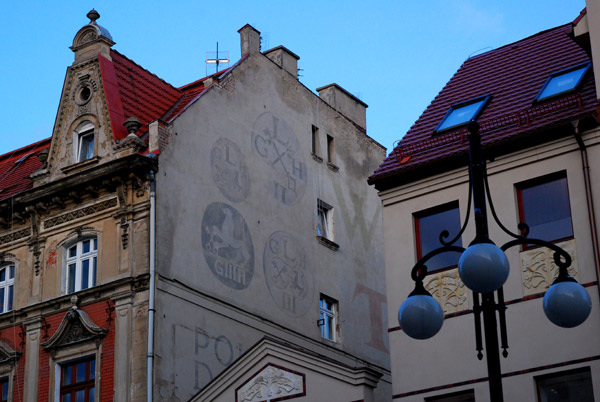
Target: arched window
{"type": "Point", "coordinates": [81, 263]}
{"type": "Point", "coordinates": [7, 284]}
{"type": "Point", "coordinates": [84, 141]}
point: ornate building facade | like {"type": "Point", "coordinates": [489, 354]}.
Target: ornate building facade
{"type": "Point", "coordinates": [215, 241]}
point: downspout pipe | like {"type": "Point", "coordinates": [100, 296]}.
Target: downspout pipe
{"type": "Point", "coordinates": [152, 246]}
{"type": "Point", "coordinates": [588, 194]}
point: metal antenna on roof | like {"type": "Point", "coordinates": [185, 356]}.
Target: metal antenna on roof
{"type": "Point", "coordinates": [216, 60]}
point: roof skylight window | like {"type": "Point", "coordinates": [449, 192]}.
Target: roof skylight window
{"type": "Point", "coordinates": [461, 113]}
{"type": "Point", "coordinates": [563, 81]}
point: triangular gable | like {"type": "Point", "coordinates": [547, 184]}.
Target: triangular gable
{"type": "Point", "coordinates": [274, 370]}
{"type": "Point", "coordinates": [76, 327]}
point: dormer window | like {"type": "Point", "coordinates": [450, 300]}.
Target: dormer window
{"type": "Point", "coordinates": [460, 114]}
{"type": "Point", "coordinates": [562, 82]}
{"type": "Point", "coordinates": [84, 141]}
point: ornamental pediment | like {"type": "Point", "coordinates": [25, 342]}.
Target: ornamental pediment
{"type": "Point", "coordinates": [76, 327]}
{"type": "Point", "coordinates": [8, 354]}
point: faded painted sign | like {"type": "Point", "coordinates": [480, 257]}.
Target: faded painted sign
{"type": "Point", "coordinates": [289, 281]}
{"type": "Point", "coordinates": [229, 170]}
{"type": "Point", "coordinates": [274, 141]}
{"type": "Point", "coordinates": [227, 245]}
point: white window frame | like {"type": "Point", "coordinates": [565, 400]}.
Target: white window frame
{"type": "Point", "coordinates": [77, 260]}
{"type": "Point", "coordinates": [84, 130]}
{"type": "Point", "coordinates": [328, 318]}
{"type": "Point", "coordinates": [325, 220]}
{"type": "Point", "coordinates": [7, 285]}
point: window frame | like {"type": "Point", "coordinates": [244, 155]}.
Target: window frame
{"type": "Point", "coordinates": [5, 382]}
{"type": "Point", "coordinates": [85, 129]}
{"type": "Point", "coordinates": [8, 287]}
{"type": "Point", "coordinates": [538, 181]}
{"type": "Point", "coordinates": [484, 99]}
{"type": "Point", "coordinates": [558, 374]}
{"type": "Point", "coordinates": [316, 146]}
{"type": "Point", "coordinates": [78, 259]}
{"type": "Point", "coordinates": [552, 76]}
{"type": "Point", "coordinates": [462, 395]}
{"type": "Point", "coordinates": [325, 226]}
{"type": "Point", "coordinates": [328, 315]}
{"type": "Point", "coordinates": [438, 209]}
{"type": "Point", "coordinates": [88, 383]}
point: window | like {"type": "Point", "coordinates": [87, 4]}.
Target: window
{"type": "Point", "coordinates": [316, 151]}
{"type": "Point", "coordinates": [566, 386]}
{"type": "Point", "coordinates": [544, 206]}
{"type": "Point", "coordinates": [84, 141]}
{"type": "Point", "coordinates": [461, 113]}
{"type": "Point", "coordinates": [81, 264]}
{"type": "Point", "coordinates": [4, 389]}
{"type": "Point", "coordinates": [7, 284]}
{"type": "Point", "coordinates": [428, 226]}
{"type": "Point", "coordinates": [462, 396]}
{"type": "Point", "coordinates": [330, 150]}
{"type": "Point", "coordinates": [324, 220]}
{"type": "Point", "coordinates": [77, 381]}
{"type": "Point", "coordinates": [328, 318]}
{"type": "Point", "coordinates": [563, 82]}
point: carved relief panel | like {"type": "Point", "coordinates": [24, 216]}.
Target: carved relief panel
{"type": "Point", "coordinates": [272, 383]}
{"type": "Point", "coordinates": [538, 269]}
{"type": "Point", "coordinates": [447, 288]}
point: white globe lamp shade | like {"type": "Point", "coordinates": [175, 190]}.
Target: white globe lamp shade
{"type": "Point", "coordinates": [483, 267]}
{"type": "Point", "coordinates": [567, 304]}
{"type": "Point", "coordinates": [421, 316]}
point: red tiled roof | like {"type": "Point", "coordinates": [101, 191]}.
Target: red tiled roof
{"type": "Point", "coordinates": [513, 76]}
{"type": "Point", "coordinates": [17, 166]}
{"type": "Point", "coordinates": [132, 91]}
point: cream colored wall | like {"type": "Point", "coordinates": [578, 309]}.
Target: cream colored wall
{"type": "Point", "coordinates": [450, 356]}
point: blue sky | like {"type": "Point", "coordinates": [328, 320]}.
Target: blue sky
{"type": "Point", "coordinates": [394, 55]}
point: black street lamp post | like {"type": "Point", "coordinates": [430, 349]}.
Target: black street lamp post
{"type": "Point", "coordinates": [484, 268]}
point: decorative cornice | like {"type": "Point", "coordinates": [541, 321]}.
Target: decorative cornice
{"type": "Point", "coordinates": [16, 235]}
{"type": "Point", "coordinates": [80, 213]}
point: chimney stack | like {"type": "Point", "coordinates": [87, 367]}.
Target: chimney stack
{"type": "Point", "coordinates": [284, 58]}
{"type": "Point", "coordinates": [345, 103]}
{"type": "Point", "coordinates": [249, 39]}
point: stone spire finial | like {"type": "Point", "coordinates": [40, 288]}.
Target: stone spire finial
{"type": "Point", "coordinates": [93, 15]}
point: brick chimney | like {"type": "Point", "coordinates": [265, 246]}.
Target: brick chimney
{"type": "Point", "coordinates": [345, 103]}
{"type": "Point", "coordinates": [284, 58]}
{"type": "Point", "coordinates": [249, 39]}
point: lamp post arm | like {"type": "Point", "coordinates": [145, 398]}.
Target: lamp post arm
{"type": "Point", "coordinates": [561, 257]}
{"type": "Point", "coordinates": [445, 233]}
{"type": "Point", "coordinates": [523, 227]}
{"type": "Point", "coordinates": [419, 271]}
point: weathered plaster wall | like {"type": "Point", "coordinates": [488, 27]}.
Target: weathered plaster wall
{"type": "Point", "coordinates": [237, 201]}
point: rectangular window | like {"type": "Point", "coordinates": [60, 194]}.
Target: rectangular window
{"type": "Point", "coordinates": [462, 396]}
{"type": "Point", "coordinates": [544, 206]}
{"type": "Point", "coordinates": [81, 265]}
{"type": "Point", "coordinates": [328, 311]}
{"type": "Point", "coordinates": [86, 146]}
{"type": "Point", "coordinates": [429, 225]}
{"type": "Point", "coordinates": [325, 220]}
{"type": "Point", "coordinates": [460, 114]}
{"type": "Point", "coordinates": [566, 386]}
{"type": "Point", "coordinates": [4, 389]}
{"type": "Point", "coordinates": [315, 141]}
{"type": "Point", "coordinates": [330, 150]}
{"type": "Point", "coordinates": [563, 82]}
{"type": "Point", "coordinates": [7, 284]}
{"type": "Point", "coordinates": [77, 381]}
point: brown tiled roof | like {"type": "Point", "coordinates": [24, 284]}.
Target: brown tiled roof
{"type": "Point", "coordinates": [513, 75]}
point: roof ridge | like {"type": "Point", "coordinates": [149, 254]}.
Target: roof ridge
{"type": "Point", "coordinates": [201, 80]}
{"type": "Point", "coordinates": [23, 149]}
{"type": "Point", "coordinates": [144, 69]}
{"type": "Point", "coordinates": [569, 24]}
